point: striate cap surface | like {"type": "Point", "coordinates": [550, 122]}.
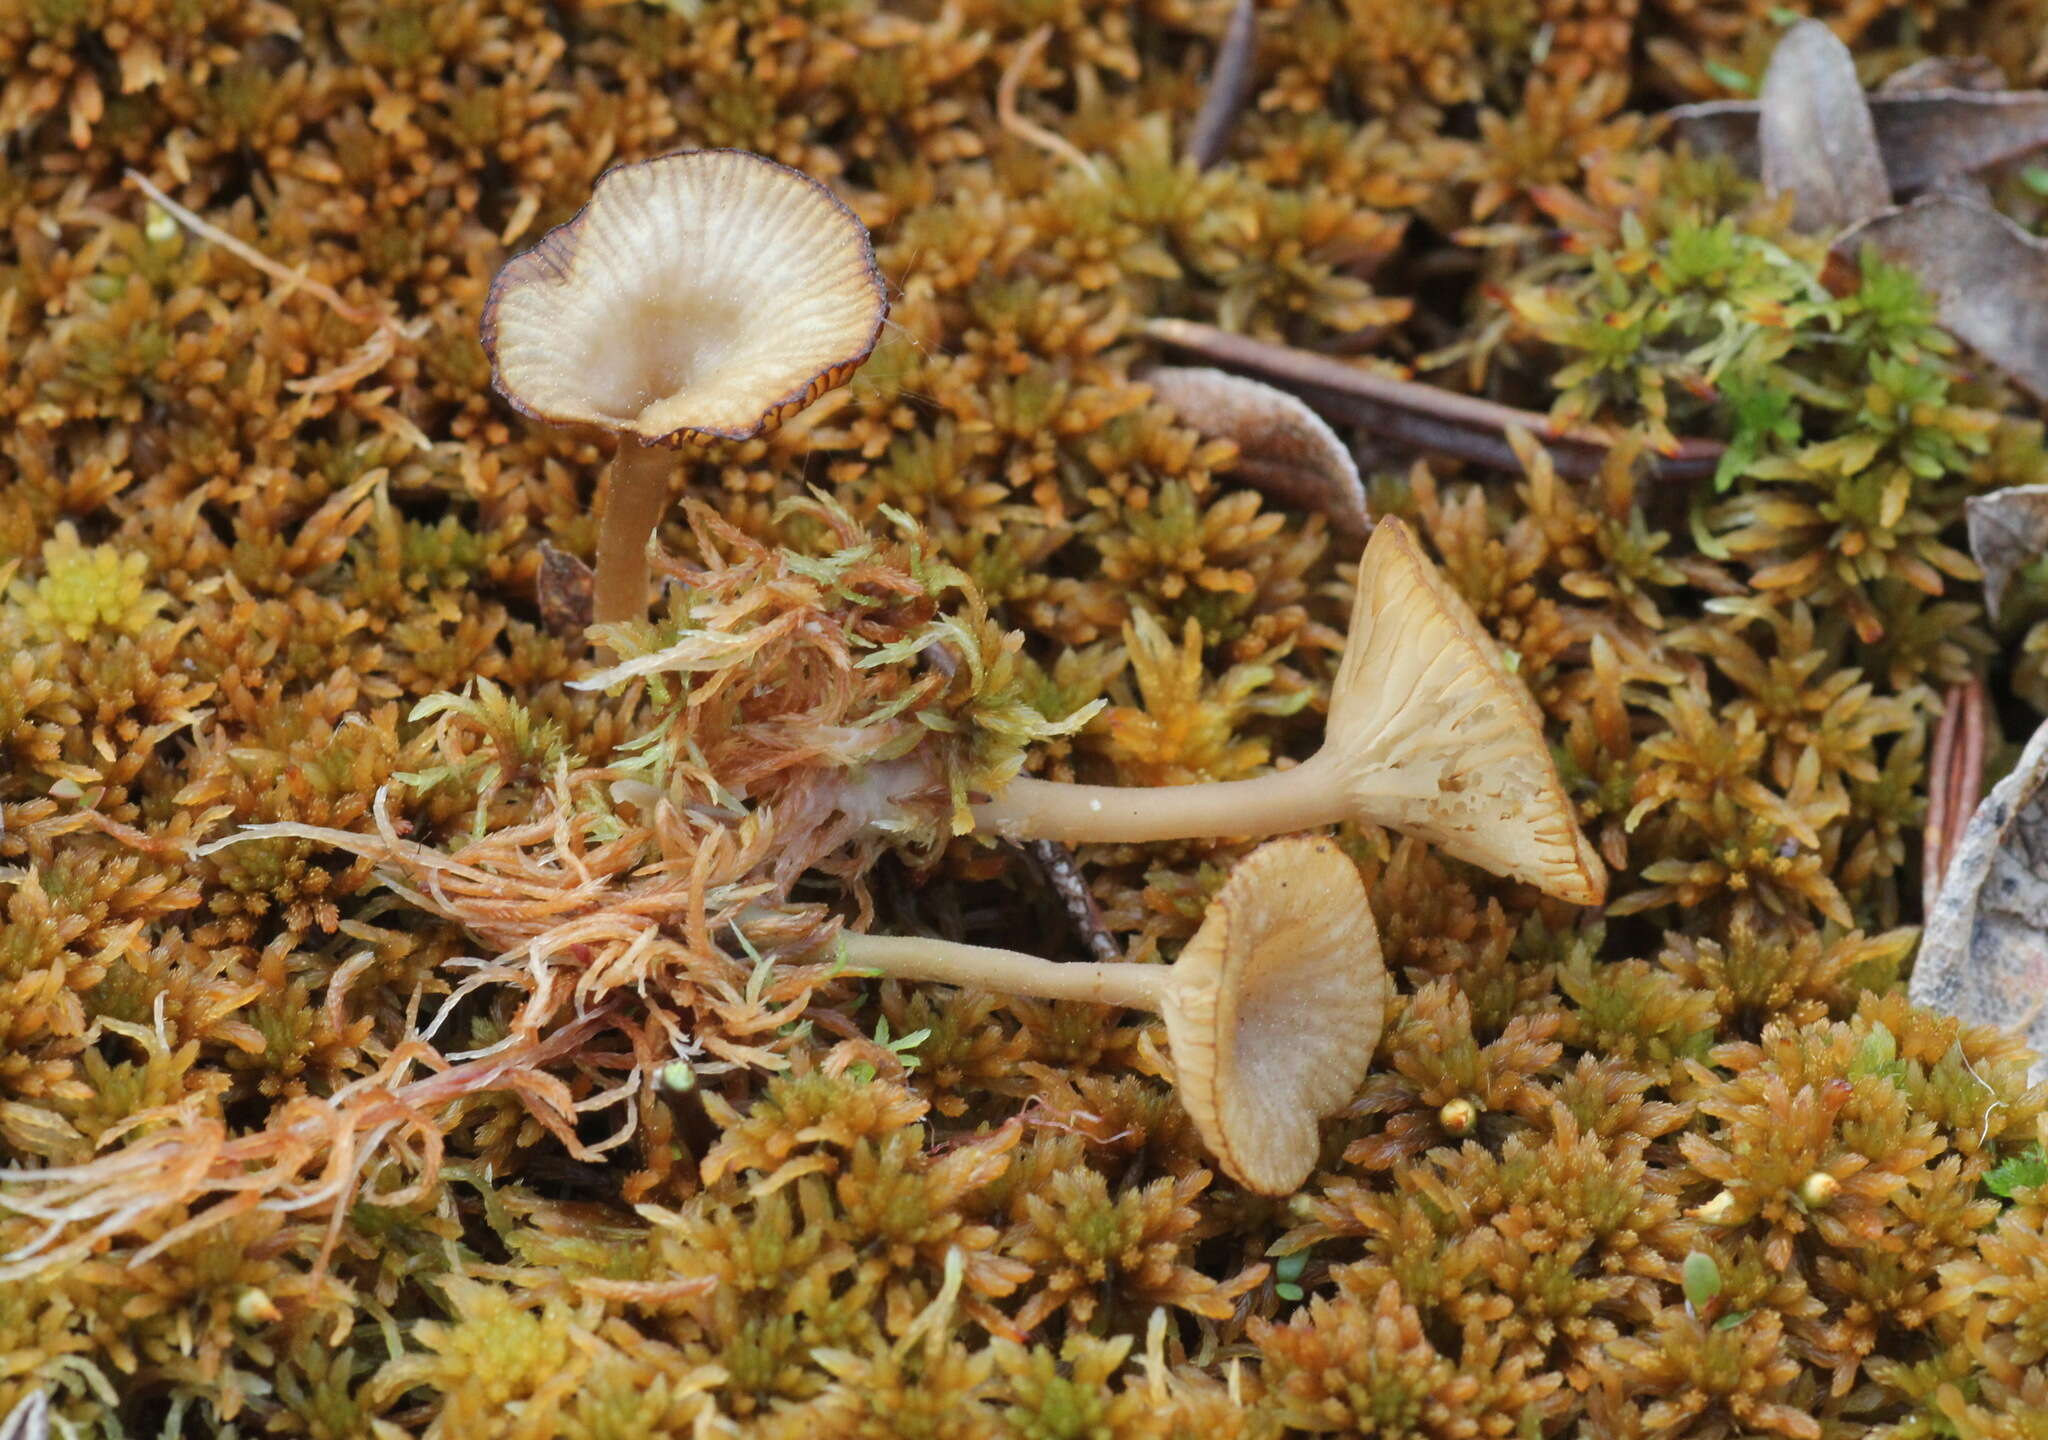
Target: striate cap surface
{"type": "Point", "coordinates": [704, 295]}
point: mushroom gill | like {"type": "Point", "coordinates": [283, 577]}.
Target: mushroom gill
{"type": "Point", "coordinates": [1272, 1010]}
{"type": "Point", "coordinates": [705, 295]}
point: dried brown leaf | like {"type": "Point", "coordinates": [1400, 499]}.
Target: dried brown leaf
{"type": "Point", "coordinates": [1989, 277]}
{"type": "Point", "coordinates": [1923, 136]}
{"type": "Point", "coordinates": [1984, 955]}
{"type": "Point", "coordinates": [2008, 531]}
{"type": "Point", "coordinates": [1814, 132]}
{"type": "Point", "coordinates": [1284, 448]}
{"type": "Point", "coordinates": [565, 590]}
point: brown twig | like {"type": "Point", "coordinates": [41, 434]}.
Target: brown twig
{"type": "Point", "coordinates": [1955, 782]}
{"type": "Point", "coordinates": [1935, 828]}
{"type": "Point", "coordinates": [1418, 415]}
{"type": "Point", "coordinates": [1968, 787]}
{"type": "Point", "coordinates": [1230, 85]}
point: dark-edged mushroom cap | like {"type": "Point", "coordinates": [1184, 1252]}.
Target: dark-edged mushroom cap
{"type": "Point", "coordinates": [708, 294]}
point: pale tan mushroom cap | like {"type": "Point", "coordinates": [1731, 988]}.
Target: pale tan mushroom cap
{"type": "Point", "coordinates": [1275, 1008]}
{"type": "Point", "coordinates": [707, 294]}
{"type": "Point", "coordinates": [1440, 740]}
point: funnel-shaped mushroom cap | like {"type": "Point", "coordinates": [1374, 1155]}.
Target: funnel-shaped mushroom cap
{"type": "Point", "coordinates": [1437, 738]}
{"type": "Point", "coordinates": [1275, 1007]}
{"type": "Point", "coordinates": [707, 294]}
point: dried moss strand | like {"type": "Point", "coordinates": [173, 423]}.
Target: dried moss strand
{"type": "Point", "coordinates": [636, 498]}
{"type": "Point", "coordinates": [291, 279]}
{"type": "Point", "coordinates": [1302, 798]}
{"type": "Point", "coordinates": [981, 967]}
{"type": "Point", "coordinates": [1013, 120]}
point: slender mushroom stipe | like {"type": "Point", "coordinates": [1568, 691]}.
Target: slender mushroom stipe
{"type": "Point", "coordinates": [1429, 734]}
{"type": "Point", "coordinates": [1272, 1010]}
{"type": "Point", "coordinates": [635, 499]}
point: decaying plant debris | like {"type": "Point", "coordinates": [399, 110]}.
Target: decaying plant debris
{"type": "Point", "coordinates": [1985, 954]}
{"type": "Point", "coordinates": [1988, 276]}
{"type": "Point", "coordinates": [1815, 138]}
{"type": "Point", "coordinates": [1925, 132]}
{"type": "Point", "coordinates": [409, 1029]}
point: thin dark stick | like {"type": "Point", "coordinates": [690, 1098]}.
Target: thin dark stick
{"type": "Point", "coordinates": [1419, 415]}
{"type": "Point", "coordinates": [1230, 85]}
{"type": "Point", "coordinates": [1056, 863]}
{"type": "Point", "coordinates": [1969, 769]}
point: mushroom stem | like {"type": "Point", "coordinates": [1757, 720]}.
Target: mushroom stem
{"type": "Point", "coordinates": [636, 497]}
{"type": "Point", "coordinates": [1272, 1009]}
{"type": "Point", "coordinates": [1429, 733]}
{"type": "Point", "coordinates": [1136, 987]}
{"type": "Point", "coordinates": [1302, 798]}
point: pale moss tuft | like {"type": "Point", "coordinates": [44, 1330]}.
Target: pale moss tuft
{"type": "Point", "coordinates": [87, 589]}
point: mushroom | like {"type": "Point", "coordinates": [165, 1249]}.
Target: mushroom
{"type": "Point", "coordinates": [1429, 733]}
{"type": "Point", "coordinates": [1272, 1010]}
{"type": "Point", "coordinates": [705, 295]}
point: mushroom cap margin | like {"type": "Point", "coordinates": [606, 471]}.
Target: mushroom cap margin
{"type": "Point", "coordinates": [1276, 1007]}
{"type": "Point", "coordinates": [551, 328]}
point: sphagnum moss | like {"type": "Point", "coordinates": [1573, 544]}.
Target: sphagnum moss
{"type": "Point", "coordinates": [267, 564]}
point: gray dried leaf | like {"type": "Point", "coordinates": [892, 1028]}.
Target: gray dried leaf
{"type": "Point", "coordinates": [1946, 72]}
{"type": "Point", "coordinates": [1988, 277]}
{"type": "Point", "coordinates": [28, 1420]}
{"type": "Point", "coordinates": [1923, 136]}
{"type": "Point", "coordinates": [1284, 448]}
{"type": "Point", "coordinates": [2008, 532]}
{"type": "Point", "coordinates": [1984, 953]}
{"type": "Point", "coordinates": [1972, 74]}
{"type": "Point", "coordinates": [1814, 133]}
{"type": "Point", "coordinates": [1928, 134]}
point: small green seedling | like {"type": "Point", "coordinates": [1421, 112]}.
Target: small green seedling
{"type": "Point", "coordinates": [1701, 1278]}
{"type": "Point", "coordinates": [1288, 1272]}
{"type": "Point", "coordinates": [901, 1047]}
{"type": "Point", "coordinates": [2015, 1173]}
